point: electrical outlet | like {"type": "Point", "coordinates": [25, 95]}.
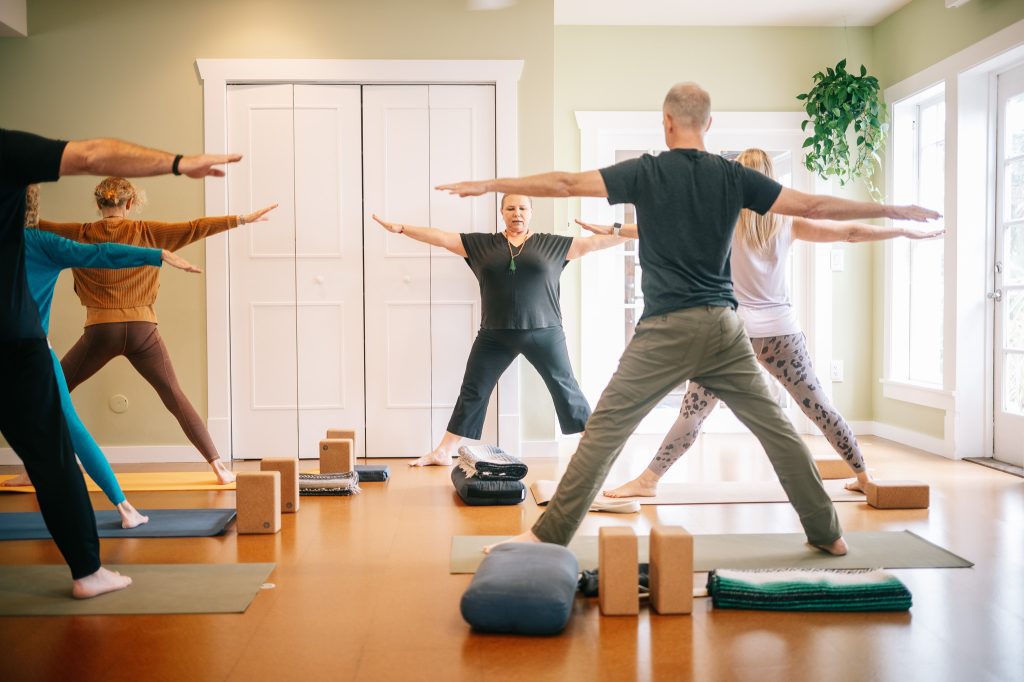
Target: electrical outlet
{"type": "Point", "coordinates": [838, 260]}
{"type": "Point", "coordinates": [837, 370]}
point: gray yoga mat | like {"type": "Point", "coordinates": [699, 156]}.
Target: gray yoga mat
{"type": "Point", "coordinates": [869, 549]}
{"type": "Point", "coordinates": [163, 523]}
{"type": "Point", "coordinates": [33, 590]}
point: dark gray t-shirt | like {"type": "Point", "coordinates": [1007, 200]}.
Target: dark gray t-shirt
{"type": "Point", "coordinates": [526, 298]}
{"type": "Point", "coordinates": [687, 204]}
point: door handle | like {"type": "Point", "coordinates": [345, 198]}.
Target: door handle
{"type": "Point", "coordinates": [407, 279]}
{"type": "Point", "coordinates": [996, 295]}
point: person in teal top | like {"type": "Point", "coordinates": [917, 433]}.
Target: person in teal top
{"type": "Point", "coordinates": [46, 255]}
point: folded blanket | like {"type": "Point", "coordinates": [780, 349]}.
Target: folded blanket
{"type": "Point", "coordinates": [490, 461]}
{"type": "Point", "coordinates": [479, 492]}
{"type": "Point", "coordinates": [329, 484]}
{"type": "Point", "coordinates": [808, 590]}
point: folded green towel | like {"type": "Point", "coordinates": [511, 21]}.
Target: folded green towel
{"type": "Point", "coordinates": [808, 590]}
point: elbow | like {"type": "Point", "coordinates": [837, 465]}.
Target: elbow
{"type": "Point", "coordinates": [816, 209]}
{"type": "Point", "coordinates": [564, 185]}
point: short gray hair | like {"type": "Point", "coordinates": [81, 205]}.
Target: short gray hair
{"type": "Point", "coordinates": [689, 105]}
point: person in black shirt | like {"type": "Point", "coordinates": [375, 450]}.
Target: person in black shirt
{"type": "Point", "coordinates": [519, 273]}
{"type": "Point", "coordinates": [687, 203]}
{"type": "Point", "coordinates": [31, 419]}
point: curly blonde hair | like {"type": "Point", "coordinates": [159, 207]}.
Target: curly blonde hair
{"type": "Point", "coordinates": [116, 191]}
{"type": "Point", "coordinates": [32, 206]}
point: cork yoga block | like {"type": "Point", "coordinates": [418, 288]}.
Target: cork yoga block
{"type": "Point", "coordinates": [258, 501]}
{"type": "Point", "coordinates": [343, 433]}
{"type": "Point", "coordinates": [897, 494]}
{"type": "Point", "coordinates": [618, 572]}
{"type": "Point", "coordinates": [337, 455]}
{"type": "Point", "coordinates": [289, 470]}
{"type": "Point", "coordinates": [671, 572]}
{"type": "Point", "coordinates": [833, 466]}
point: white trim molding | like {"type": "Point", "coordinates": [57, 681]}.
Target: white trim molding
{"type": "Point", "coordinates": [217, 74]}
{"type": "Point", "coordinates": [968, 78]}
{"type": "Point", "coordinates": [913, 439]}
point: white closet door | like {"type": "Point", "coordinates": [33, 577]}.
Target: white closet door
{"type": "Point", "coordinates": [328, 262]}
{"type": "Point", "coordinates": [262, 274]}
{"type": "Point", "coordinates": [396, 186]}
{"type": "Point", "coordinates": [461, 148]}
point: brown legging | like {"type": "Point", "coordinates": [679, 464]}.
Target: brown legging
{"type": "Point", "coordinates": [140, 342]}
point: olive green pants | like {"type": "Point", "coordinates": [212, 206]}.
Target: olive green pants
{"type": "Point", "coordinates": [709, 345]}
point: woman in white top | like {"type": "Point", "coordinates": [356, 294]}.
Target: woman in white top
{"type": "Point", "coordinates": [760, 248]}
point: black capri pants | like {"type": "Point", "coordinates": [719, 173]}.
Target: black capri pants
{"type": "Point", "coordinates": [492, 353]}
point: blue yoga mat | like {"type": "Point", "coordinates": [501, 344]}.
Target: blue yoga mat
{"type": "Point", "coordinates": [163, 523]}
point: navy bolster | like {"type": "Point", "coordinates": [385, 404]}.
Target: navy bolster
{"type": "Point", "coordinates": [523, 589]}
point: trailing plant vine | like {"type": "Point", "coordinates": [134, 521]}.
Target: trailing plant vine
{"type": "Point", "coordinates": [838, 100]}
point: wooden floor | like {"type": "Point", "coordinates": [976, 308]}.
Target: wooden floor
{"type": "Point", "coordinates": [363, 592]}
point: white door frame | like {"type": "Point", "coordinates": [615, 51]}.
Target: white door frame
{"type": "Point", "coordinates": [217, 74]}
{"type": "Point", "coordinates": [602, 133]}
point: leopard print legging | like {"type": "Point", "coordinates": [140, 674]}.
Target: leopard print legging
{"type": "Point", "coordinates": [786, 359]}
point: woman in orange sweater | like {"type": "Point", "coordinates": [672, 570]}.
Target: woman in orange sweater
{"type": "Point", "coordinates": [120, 319]}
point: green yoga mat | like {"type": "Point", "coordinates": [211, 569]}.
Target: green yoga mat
{"type": "Point", "coordinates": [33, 590]}
{"type": "Point", "coordinates": [871, 549]}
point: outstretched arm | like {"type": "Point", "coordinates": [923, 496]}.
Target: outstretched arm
{"type": "Point", "coordinates": [428, 235]}
{"type": "Point", "coordinates": [816, 206]}
{"type": "Point", "coordinates": [582, 246]}
{"type": "Point", "coordinates": [627, 231]}
{"type": "Point", "coordinates": [174, 236]}
{"type": "Point", "coordinates": [556, 184]}
{"type": "Point", "coordinates": [104, 156]}
{"type": "Point", "coordinates": [832, 231]}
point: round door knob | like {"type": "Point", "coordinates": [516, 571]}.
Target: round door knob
{"type": "Point", "coordinates": [319, 279]}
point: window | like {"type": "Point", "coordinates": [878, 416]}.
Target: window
{"type": "Point", "coordinates": [915, 323]}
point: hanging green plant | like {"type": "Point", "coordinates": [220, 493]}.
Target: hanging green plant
{"type": "Point", "coordinates": [837, 101]}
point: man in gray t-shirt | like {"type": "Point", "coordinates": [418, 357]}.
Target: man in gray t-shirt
{"type": "Point", "coordinates": [687, 203]}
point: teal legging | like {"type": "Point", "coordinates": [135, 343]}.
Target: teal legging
{"type": "Point", "coordinates": [88, 451]}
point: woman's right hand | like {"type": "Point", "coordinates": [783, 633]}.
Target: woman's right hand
{"type": "Point", "coordinates": [257, 216]}
{"type": "Point", "coordinates": [396, 228]}
{"type": "Point", "coordinates": [596, 229]}
{"type": "Point", "coordinates": [174, 260]}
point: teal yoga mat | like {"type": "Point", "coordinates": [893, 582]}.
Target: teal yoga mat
{"type": "Point", "coordinates": [163, 523]}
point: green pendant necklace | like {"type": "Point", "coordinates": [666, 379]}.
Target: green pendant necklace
{"type": "Point", "coordinates": [512, 256]}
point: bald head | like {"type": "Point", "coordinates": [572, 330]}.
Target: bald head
{"type": "Point", "coordinates": [689, 106]}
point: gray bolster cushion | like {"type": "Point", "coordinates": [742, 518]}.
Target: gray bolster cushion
{"type": "Point", "coordinates": [522, 589]}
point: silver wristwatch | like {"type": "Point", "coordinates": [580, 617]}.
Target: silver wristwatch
{"type": "Point", "coordinates": [615, 229]}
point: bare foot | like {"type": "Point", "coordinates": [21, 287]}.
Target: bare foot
{"type": "Point", "coordinates": [19, 480]}
{"type": "Point", "coordinates": [437, 458]}
{"type": "Point", "coordinates": [837, 548]}
{"type": "Point", "coordinates": [528, 536]}
{"type": "Point", "coordinates": [224, 475]}
{"type": "Point", "coordinates": [130, 516]}
{"type": "Point", "coordinates": [644, 485]}
{"type": "Point", "coordinates": [858, 485]}
{"type": "Point", "coordinates": [100, 582]}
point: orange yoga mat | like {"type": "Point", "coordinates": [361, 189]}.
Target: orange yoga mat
{"type": "Point", "coordinates": [146, 481]}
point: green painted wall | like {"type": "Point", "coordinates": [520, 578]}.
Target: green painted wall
{"type": "Point", "coordinates": [126, 68]}
{"type": "Point", "coordinates": [925, 32]}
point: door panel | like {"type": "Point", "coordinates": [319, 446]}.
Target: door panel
{"type": "Point", "coordinates": [396, 186]}
{"type": "Point", "coordinates": [461, 148]}
{"type": "Point", "coordinates": [262, 274]}
{"type": "Point", "coordinates": [329, 262]}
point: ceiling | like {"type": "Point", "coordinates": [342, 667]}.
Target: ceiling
{"type": "Point", "coordinates": [725, 12]}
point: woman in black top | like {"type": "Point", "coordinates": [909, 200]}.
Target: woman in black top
{"type": "Point", "coordinates": [519, 272]}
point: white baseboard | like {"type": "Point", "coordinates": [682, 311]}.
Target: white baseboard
{"type": "Point", "coordinates": [130, 454]}
{"type": "Point", "coordinates": [913, 439]}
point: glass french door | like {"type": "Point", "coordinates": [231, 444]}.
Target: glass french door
{"type": "Point", "coordinates": [1008, 276]}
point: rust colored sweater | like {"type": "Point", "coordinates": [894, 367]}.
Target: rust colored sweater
{"type": "Point", "coordinates": [128, 294]}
